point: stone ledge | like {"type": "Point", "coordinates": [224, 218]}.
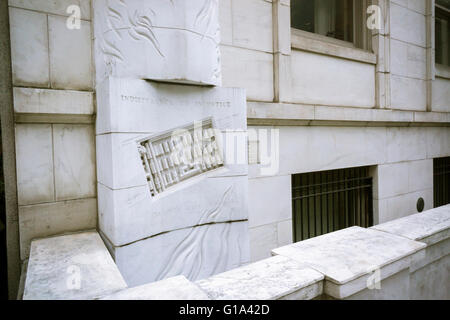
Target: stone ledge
{"type": "Point", "coordinates": [53, 7]}
{"type": "Point", "coordinates": [316, 43]}
{"type": "Point", "coordinates": [266, 113]}
{"type": "Point", "coordinates": [50, 101]}
{"type": "Point", "coordinates": [270, 279]}
{"type": "Point", "coordinates": [337, 265]}
{"type": "Point", "coordinates": [430, 227]}
{"type": "Point", "coordinates": [176, 288]}
{"type": "Point", "coordinates": [33, 105]}
{"type": "Point", "coordinates": [55, 262]}
{"type": "Point", "coordinates": [349, 257]}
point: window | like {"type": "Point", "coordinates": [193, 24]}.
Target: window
{"type": "Point", "coordinates": [442, 31]}
{"type": "Point", "coordinates": [441, 181]}
{"type": "Point", "coordinates": [324, 202]}
{"type": "Point", "coordinates": [331, 18]}
{"type": "Point", "coordinates": [344, 20]}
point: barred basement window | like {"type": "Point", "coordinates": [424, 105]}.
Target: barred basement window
{"type": "Point", "coordinates": [328, 201]}
{"type": "Point", "coordinates": [441, 181]}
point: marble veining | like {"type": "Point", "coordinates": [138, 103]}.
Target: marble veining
{"type": "Point", "coordinates": [348, 254]}
{"type": "Point", "coordinates": [271, 278]}
{"type": "Point", "coordinates": [176, 288]}
{"type": "Point", "coordinates": [76, 266]}
{"type": "Point", "coordinates": [421, 225]}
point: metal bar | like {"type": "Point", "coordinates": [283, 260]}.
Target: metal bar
{"type": "Point", "coordinates": [333, 182]}
{"type": "Point", "coordinates": [331, 200]}
{"type": "Point", "coordinates": [311, 214]}
{"type": "Point", "coordinates": [340, 190]}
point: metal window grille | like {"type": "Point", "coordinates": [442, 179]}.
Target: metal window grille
{"type": "Point", "coordinates": [441, 181]}
{"type": "Point", "coordinates": [327, 201]}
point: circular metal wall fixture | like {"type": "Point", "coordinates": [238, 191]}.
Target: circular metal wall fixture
{"type": "Point", "coordinates": [420, 204]}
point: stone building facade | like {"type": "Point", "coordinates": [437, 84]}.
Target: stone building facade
{"type": "Point", "coordinates": [306, 101]}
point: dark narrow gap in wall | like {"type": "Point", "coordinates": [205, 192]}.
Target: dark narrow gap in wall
{"type": "Point", "coordinates": [3, 261]}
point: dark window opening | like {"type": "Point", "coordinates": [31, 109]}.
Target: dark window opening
{"type": "Point", "coordinates": [442, 31]}
{"type": "Point", "coordinates": [331, 18]}
{"type": "Point", "coordinates": [328, 201]}
{"type": "Point", "coordinates": [441, 181]}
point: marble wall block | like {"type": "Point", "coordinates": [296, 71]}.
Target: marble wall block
{"type": "Point", "coordinates": [149, 201]}
{"type": "Point", "coordinates": [35, 177]}
{"type": "Point", "coordinates": [195, 253]}
{"type": "Point", "coordinates": [139, 106]}
{"type": "Point", "coordinates": [174, 41]}
{"type": "Point", "coordinates": [127, 210]}
{"type": "Point", "coordinates": [132, 214]}
{"type": "Point", "coordinates": [29, 48]}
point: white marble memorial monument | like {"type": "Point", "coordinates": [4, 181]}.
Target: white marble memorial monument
{"type": "Point", "coordinates": [171, 157]}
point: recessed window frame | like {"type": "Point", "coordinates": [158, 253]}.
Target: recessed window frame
{"type": "Point", "coordinates": [442, 11]}
{"type": "Point", "coordinates": [362, 36]}
{"type": "Point", "coordinates": [327, 201]}
{"type": "Point", "coordinates": [441, 181]}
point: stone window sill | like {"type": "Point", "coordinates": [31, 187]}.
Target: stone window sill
{"type": "Point", "coordinates": [311, 42]}
{"type": "Point", "coordinates": [442, 71]}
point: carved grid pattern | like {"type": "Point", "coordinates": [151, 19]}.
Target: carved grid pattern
{"type": "Point", "coordinates": [179, 154]}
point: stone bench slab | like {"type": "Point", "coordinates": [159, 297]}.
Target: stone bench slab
{"type": "Point", "coordinates": [270, 279]}
{"type": "Point", "coordinates": [71, 267]}
{"type": "Point", "coordinates": [349, 257]}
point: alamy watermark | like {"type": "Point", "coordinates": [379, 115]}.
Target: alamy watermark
{"type": "Point", "coordinates": [375, 18]}
{"type": "Point", "coordinates": [73, 280]}
{"type": "Point", "coordinates": [73, 22]}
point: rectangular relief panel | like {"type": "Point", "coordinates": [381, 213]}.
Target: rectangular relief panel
{"type": "Point", "coordinates": [180, 154]}
{"type": "Point", "coordinates": [176, 40]}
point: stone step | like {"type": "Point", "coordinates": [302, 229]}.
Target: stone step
{"type": "Point", "coordinates": [71, 267]}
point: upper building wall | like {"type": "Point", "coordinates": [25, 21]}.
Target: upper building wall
{"type": "Point", "coordinates": [275, 63]}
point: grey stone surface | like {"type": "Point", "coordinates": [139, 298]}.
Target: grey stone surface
{"type": "Point", "coordinates": [430, 226]}
{"type": "Point", "coordinates": [349, 257]}
{"type": "Point", "coordinates": [274, 278]}
{"type": "Point", "coordinates": [431, 282]}
{"type": "Point", "coordinates": [395, 287]}
{"type": "Point", "coordinates": [176, 288]}
{"type": "Point", "coordinates": [196, 253]}
{"type": "Point", "coordinates": [194, 227]}
{"type": "Point", "coordinates": [178, 40]}
{"type": "Point", "coordinates": [71, 267]}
